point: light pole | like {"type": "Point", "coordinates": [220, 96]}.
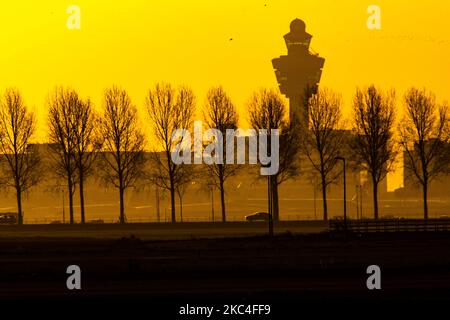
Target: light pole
{"type": "Point", "coordinates": [270, 204]}
{"type": "Point", "coordinates": [269, 201]}
{"type": "Point", "coordinates": [345, 192]}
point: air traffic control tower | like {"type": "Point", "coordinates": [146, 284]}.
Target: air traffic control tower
{"type": "Point", "coordinates": [298, 73]}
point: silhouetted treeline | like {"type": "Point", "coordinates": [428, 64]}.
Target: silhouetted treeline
{"type": "Point", "coordinates": [110, 143]}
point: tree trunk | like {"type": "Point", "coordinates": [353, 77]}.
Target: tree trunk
{"type": "Point", "coordinates": [222, 199]}
{"type": "Point", "coordinates": [172, 201]}
{"type": "Point", "coordinates": [122, 207]}
{"type": "Point", "coordinates": [70, 190]}
{"type": "Point", "coordinates": [275, 205]}
{"type": "Point", "coordinates": [425, 200]}
{"type": "Point", "coordinates": [375, 199]}
{"type": "Point", "coordinates": [180, 198]}
{"type": "Point", "coordinates": [324, 199]}
{"type": "Point", "coordinates": [19, 205]}
{"type": "Point", "coordinates": [158, 213]}
{"type": "Point", "coordinates": [212, 204]}
{"type": "Point", "coordinates": [82, 197]}
{"type": "Point", "coordinates": [172, 186]}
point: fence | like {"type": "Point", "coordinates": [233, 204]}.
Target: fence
{"type": "Point", "coordinates": [391, 225]}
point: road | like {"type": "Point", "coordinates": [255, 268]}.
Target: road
{"type": "Point", "coordinates": [160, 231]}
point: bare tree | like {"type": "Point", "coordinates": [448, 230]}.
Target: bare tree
{"type": "Point", "coordinates": [267, 110]}
{"type": "Point", "coordinates": [289, 167]}
{"type": "Point", "coordinates": [17, 126]}
{"type": "Point", "coordinates": [182, 187]}
{"type": "Point", "coordinates": [169, 109]}
{"type": "Point", "coordinates": [122, 143]}
{"type": "Point", "coordinates": [373, 144]}
{"type": "Point", "coordinates": [85, 143]}
{"type": "Point", "coordinates": [220, 113]}
{"type": "Point", "coordinates": [424, 136]}
{"type": "Point", "coordinates": [321, 140]}
{"type": "Point", "coordinates": [62, 104]}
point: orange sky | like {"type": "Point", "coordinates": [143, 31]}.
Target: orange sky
{"type": "Point", "coordinates": [137, 43]}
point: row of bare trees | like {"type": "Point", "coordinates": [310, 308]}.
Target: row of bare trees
{"type": "Point", "coordinates": [423, 135]}
{"type": "Point", "coordinates": [79, 136]}
{"type": "Point", "coordinates": [114, 141]}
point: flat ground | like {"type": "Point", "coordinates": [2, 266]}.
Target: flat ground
{"type": "Point", "coordinates": [289, 271]}
{"type": "Point", "coordinates": [159, 231]}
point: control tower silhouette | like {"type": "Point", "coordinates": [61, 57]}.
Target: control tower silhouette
{"type": "Point", "coordinates": [298, 73]}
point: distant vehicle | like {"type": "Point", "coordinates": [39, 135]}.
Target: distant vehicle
{"type": "Point", "coordinates": [56, 222]}
{"type": "Point", "coordinates": [444, 217]}
{"type": "Point", "coordinates": [258, 216]}
{"type": "Point", "coordinates": [8, 218]}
